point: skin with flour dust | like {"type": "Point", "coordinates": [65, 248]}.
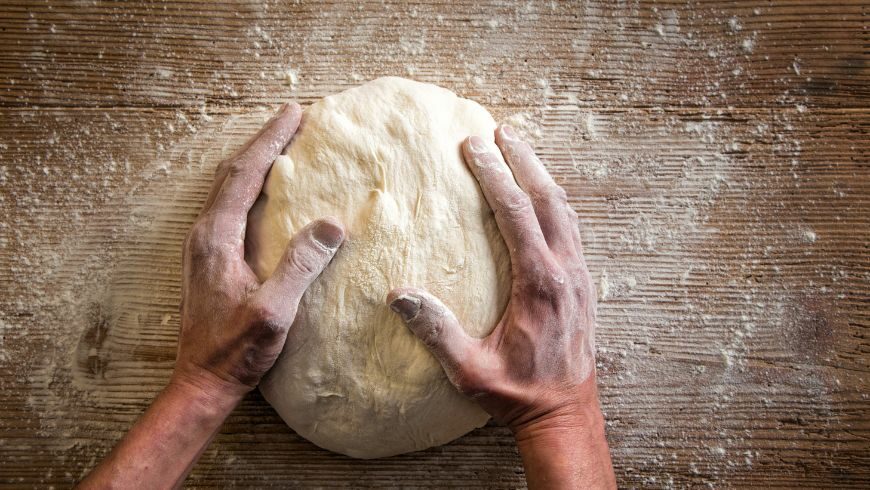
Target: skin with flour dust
{"type": "Point", "coordinates": [534, 373]}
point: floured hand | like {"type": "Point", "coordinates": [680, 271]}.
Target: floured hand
{"type": "Point", "coordinates": [537, 358]}
{"type": "Point", "coordinates": [232, 326]}
{"type": "Point", "coordinates": [536, 371]}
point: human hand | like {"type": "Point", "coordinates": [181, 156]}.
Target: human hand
{"type": "Point", "coordinates": [233, 327]}
{"type": "Point", "coordinates": [538, 363]}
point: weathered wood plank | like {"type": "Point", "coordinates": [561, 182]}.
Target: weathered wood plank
{"type": "Point", "coordinates": [730, 247]}
{"type": "Point", "coordinates": [599, 53]}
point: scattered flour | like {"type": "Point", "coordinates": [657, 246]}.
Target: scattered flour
{"type": "Point", "coordinates": [656, 179]}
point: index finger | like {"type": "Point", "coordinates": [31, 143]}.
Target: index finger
{"type": "Point", "coordinates": [241, 177]}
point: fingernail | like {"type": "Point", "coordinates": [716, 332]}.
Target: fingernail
{"type": "Point", "coordinates": [406, 306]}
{"type": "Point", "coordinates": [508, 132]}
{"type": "Point", "coordinates": [328, 234]}
{"type": "Point", "coordinates": [476, 144]}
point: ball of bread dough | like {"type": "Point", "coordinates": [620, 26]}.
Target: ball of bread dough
{"type": "Point", "coordinates": [384, 158]}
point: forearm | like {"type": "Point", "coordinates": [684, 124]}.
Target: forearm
{"type": "Point", "coordinates": [166, 441]}
{"type": "Point", "coordinates": [567, 451]}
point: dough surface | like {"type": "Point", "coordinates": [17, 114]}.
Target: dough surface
{"type": "Point", "coordinates": [384, 158]}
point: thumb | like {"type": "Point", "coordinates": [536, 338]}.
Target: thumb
{"type": "Point", "coordinates": [434, 324]}
{"type": "Point", "coordinates": [308, 253]}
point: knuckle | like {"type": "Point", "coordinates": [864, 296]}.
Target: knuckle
{"type": "Point", "coordinates": [206, 241]}
{"type": "Point", "coordinates": [557, 194]}
{"type": "Point", "coordinates": [552, 195]}
{"type": "Point", "coordinates": [572, 215]}
{"type": "Point", "coordinates": [584, 288]}
{"type": "Point", "coordinates": [236, 167]}
{"type": "Point", "coordinates": [265, 319]}
{"type": "Point", "coordinates": [515, 203]}
{"type": "Point", "coordinates": [579, 286]}
{"type": "Point", "coordinates": [305, 260]}
{"type": "Point", "coordinates": [544, 281]}
{"type": "Point", "coordinates": [198, 239]}
{"type": "Point", "coordinates": [222, 166]}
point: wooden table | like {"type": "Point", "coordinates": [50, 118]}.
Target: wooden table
{"type": "Point", "coordinates": [716, 152]}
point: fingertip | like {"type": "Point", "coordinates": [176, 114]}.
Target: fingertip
{"type": "Point", "coordinates": [332, 221]}
{"type": "Point", "coordinates": [393, 294]}
{"type": "Point", "coordinates": [475, 144]}
{"type": "Point", "coordinates": [478, 154]}
{"type": "Point", "coordinates": [328, 232]}
{"type": "Point", "coordinates": [288, 108]}
{"type": "Point", "coordinates": [463, 147]}
{"type": "Point", "coordinates": [406, 305]}
{"type": "Point", "coordinates": [433, 323]}
{"type": "Point", "coordinates": [288, 116]}
{"type": "Point", "coordinates": [508, 131]}
{"type": "Point", "coordinates": [406, 301]}
{"type": "Point", "coordinates": [293, 108]}
{"type": "Point", "coordinates": [505, 134]}
{"type": "Point", "coordinates": [403, 291]}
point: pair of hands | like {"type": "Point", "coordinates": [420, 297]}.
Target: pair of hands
{"type": "Point", "coordinates": [537, 363]}
{"type": "Point", "coordinates": [534, 372]}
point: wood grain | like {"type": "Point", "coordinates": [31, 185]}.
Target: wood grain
{"type": "Point", "coordinates": [728, 235]}
{"type": "Point", "coordinates": [625, 54]}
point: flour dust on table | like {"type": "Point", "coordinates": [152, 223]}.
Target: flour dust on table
{"type": "Point", "coordinates": [384, 158]}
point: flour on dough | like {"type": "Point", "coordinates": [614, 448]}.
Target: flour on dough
{"type": "Point", "coordinates": [384, 158]}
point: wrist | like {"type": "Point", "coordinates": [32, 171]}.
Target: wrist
{"type": "Point", "coordinates": [566, 447]}
{"type": "Point", "coordinates": [566, 422]}
{"type": "Point", "coordinates": [206, 390]}
{"type": "Point", "coordinates": [163, 445]}
{"type": "Point", "coordinates": [576, 407]}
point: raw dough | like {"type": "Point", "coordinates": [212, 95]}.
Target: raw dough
{"type": "Point", "coordinates": [384, 158]}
